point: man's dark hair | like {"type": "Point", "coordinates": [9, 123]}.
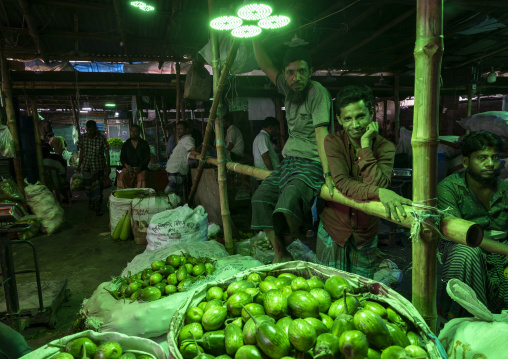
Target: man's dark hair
{"type": "Point", "coordinates": [137, 126]}
{"type": "Point", "coordinates": [299, 53]}
{"type": "Point", "coordinates": [91, 123]}
{"type": "Point", "coordinates": [184, 124]}
{"type": "Point", "coordinates": [270, 121]}
{"type": "Point", "coordinates": [50, 134]}
{"type": "Point", "coordinates": [352, 94]}
{"type": "Point", "coordinates": [228, 117]}
{"type": "Point", "coordinates": [477, 141]}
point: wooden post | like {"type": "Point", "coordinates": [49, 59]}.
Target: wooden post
{"type": "Point", "coordinates": [75, 118]}
{"type": "Point", "coordinates": [280, 118]}
{"type": "Point", "coordinates": [165, 121]}
{"type": "Point", "coordinates": [38, 146]}
{"type": "Point", "coordinates": [157, 119]}
{"type": "Point", "coordinates": [11, 120]}
{"type": "Point", "coordinates": [428, 53]}
{"type": "Point", "coordinates": [178, 103]}
{"type": "Point", "coordinates": [385, 118]}
{"type": "Point", "coordinates": [469, 99]}
{"type": "Point", "coordinates": [396, 99]}
{"type": "Point", "coordinates": [478, 103]}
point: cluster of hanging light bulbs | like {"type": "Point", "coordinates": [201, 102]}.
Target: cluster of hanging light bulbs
{"type": "Point", "coordinates": [142, 6]}
{"type": "Point", "coordinates": [257, 17]}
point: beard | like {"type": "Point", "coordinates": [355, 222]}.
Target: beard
{"type": "Point", "coordinates": [485, 181]}
{"type": "Point", "coordinates": [298, 96]}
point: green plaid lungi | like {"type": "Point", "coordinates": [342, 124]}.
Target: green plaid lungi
{"type": "Point", "coordinates": [348, 258]}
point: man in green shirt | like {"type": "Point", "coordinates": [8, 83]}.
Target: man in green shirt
{"type": "Point", "coordinates": [479, 196]}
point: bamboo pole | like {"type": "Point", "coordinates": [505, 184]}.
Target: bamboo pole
{"type": "Point", "coordinates": [38, 146]}
{"type": "Point", "coordinates": [385, 117]}
{"type": "Point", "coordinates": [478, 103]}
{"type": "Point", "coordinates": [11, 120]}
{"type": "Point", "coordinates": [157, 118]}
{"type": "Point", "coordinates": [428, 53]}
{"type": "Point", "coordinates": [455, 229]}
{"type": "Point", "coordinates": [397, 109]}
{"type": "Point", "coordinates": [178, 103]}
{"type": "Point", "coordinates": [213, 110]}
{"type": "Point", "coordinates": [469, 100]}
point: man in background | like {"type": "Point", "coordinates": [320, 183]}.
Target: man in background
{"type": "Point", "coordinates": [134, 157]}
{"type": "Point", "coordinates": [170, 145]}
{"type": "Point", "coordinates": [94, 164]}
{"type": "Point", "coordinates": [476, 195]}
{"type": "Point", "coordinates": [233, 139]}
{"type": "Point", "coordinates": [196, 135]}
{"type": "Point", "coordinates": [57, 143]}
{"type": "Point", "coordinates": [262, 147]}
{"type": "Point", "coordinates": [178, 164]}
{"type": "Point", "coordinates": [361, 164]}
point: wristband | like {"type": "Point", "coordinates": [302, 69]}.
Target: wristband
{"type": "Point", "coordinates": [327, 174]}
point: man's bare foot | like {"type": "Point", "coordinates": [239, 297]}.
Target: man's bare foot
{"type": "Point", "coordinates": [282, 258]}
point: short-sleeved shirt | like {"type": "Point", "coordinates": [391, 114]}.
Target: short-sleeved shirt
{"type": "Point", "coordinates": [179, 160]}
{"type": "Point", "coordinates": [302, 119]}
{"type": "Point", "coordinates": [454, 194]}
{"type": "Point", "coordinates": [170, 146]}
{"type": "Point", "coordinates": [94, 156]}
{"type": "Point", "coordinates": [357, 176]}
{"type": "Point", "coordinates": [234, 136]}
{"type": "Point", "coordinates": [135, 157]}
{"type": "Point", "coordinates": [260, 146]}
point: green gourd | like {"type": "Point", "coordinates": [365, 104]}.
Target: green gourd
{"type": "Point", "coordinates": [118, 229]}
{"type": "Point", "coordinates": [126, 227]}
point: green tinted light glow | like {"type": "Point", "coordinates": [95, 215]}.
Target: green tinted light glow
{"type": "Point", "coordinates": [273, 22]}
{"type": "Point", "coordinates": [226, 23]}
{"type": "Point", "coordinates": [110, 105]}
{"type": "Point", "coordinates": [246, 31]}
{"type": "Point", "coordinates": [142, 6]}
{"type": "Point", "coordinates": [254, 11]}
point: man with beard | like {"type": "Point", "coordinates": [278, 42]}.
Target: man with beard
{"type": "Point", "coordinates": [134, 157]}
{"type": "Point", "coordinates": [286, 196]}
{"type": "Point", "coordinates": [361, 163]}
{"type": "Point", "coordinates": [479, 196]}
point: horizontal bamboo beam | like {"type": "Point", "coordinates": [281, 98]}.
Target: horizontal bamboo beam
{"type": "Point", "coordinates": [454, 229]}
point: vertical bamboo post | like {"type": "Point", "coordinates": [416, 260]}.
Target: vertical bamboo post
{"type": "Point", "coordinates": [157, 118]}
{"type": "Point", "coordinates": [385, 118]}
{"type": "Point", "coordinates": [11, 119]}
{"type": "Point", "coordinates": [165, 121]}
{"type": "Point", "coordinates": [38, 146]}
{"type": "Point", "coordinates": [396, 100]}
{"type": "Point", "coordinates": [280, 118]}
{"type": "Point", "coordinates": [178, 103]}
{"type": "Point", "coordinates": [478, 103]}
{"type": "Point", "coordinates": [469, 99]}
{"type": "Point", "coordinates": [428, 54]}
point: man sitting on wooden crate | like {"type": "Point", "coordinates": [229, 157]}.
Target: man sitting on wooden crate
{"type": "Point", "coordinates": [178, 164]}
{"type": "Point", "coordinates": [134, 157]}
{"type": "Point", "coordinates": [476, 195]}
{"type": "Point", "coordinates": [361, 164]}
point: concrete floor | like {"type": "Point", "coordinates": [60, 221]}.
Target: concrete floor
{"type": "Point", "coordinates": [83, 252]}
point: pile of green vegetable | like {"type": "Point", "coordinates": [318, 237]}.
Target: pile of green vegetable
{"type": "Point", "coordinates": [83, 348]}
{"type": "Point", "coordinates": [115, 142]}
{"type": "Point", "coordinates": [293, 317]}
{"type": "Point", "coordinates": [164, 277]}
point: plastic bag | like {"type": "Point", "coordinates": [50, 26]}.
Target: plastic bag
{"type": "Point", "coordinates": [77, 181]}
{"type": "Point", "coordinates": [301, 252]}
{"type": "Point", "coordinates": [258, 247]}
{"type": "Point", "coordinates": [32, 232]}
{"type": "Point", "coordinates": [44, 205]}
{"type": "Point", "coordinates": [9, 190]}
{"type": "Point", "coordinates": [6, 143]}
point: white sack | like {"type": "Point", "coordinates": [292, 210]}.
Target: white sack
{"type": "Point", "coordinates": [151, 319]}
{"type": "Point", "coordinates": [180, 225]}
{"type": "Point", "coordinates": [118, 207]}
{"type": "Point", "coordinates": [44, 205]}
{"type": "Point", "coordinates": [143, 209]}
{"type": "Point", "coordinates": [127, 343]}
{"type": "Point", "coordinates": [378, 292]}
{"type": "Point", "coordinates": [482, 336]}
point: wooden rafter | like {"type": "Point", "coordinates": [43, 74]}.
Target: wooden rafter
{"type": "Point", "coordinates": [32, 26]}
{"type": "Point", "coordinates": [119, 21]}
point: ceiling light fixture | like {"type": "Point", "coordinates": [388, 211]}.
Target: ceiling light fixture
{"type": "Point", "coordinates": [110, 105]}
{"type": "Point", "coordinates": [142, 6]}
{"type": "Point", "coordinates": [273, 22]}
{"type": "Point", "coordinates": [226, 23]}
{"type": "Point", "coordinates": [254, 11]}
{"type": "Point", "coordinates": [492, 76]}
{"type": "Point", "coordinates": [246, 31]}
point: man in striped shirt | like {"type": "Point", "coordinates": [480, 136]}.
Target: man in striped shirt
{"type": "Point", "coordinates": [476, 195]}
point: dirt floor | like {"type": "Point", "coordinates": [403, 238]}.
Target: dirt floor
{"type": "Point", "coordinates": [83, 252]}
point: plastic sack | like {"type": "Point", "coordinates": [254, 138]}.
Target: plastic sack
{"type": "Point", "coordinates": [6, 143]}
{"type": "Point", "coordinates": [9, 191]}
{"type": "Point", "coordinates": [32, 232]}
{"type": "Point", "coordinates": [140, 345]}
{"type": "Point", "coordinates": [120, 202]}
{"type": "Point", "coordinates": [198, 83]}
{"type": "Point", "coordinates": [258, 247]}
{"type": "Point", "coordinates": [44, 205]}
{"type": "Point", "coordinates": [179, 225]}
{"type": "Point", "coordinates": [151, 319]}
{"type": "Point", "coordinates": [371, 291]}
{"type": "Point", "coordinates": [213, 229]}
{"type": "Point", "coordinates": [491, 121]}
{"type": "Point", "coordinates": [478, 337]}
{"type": "Point", "coordinates": [388, 273]}
{"type": "Point", "coordinates": [77, 181]}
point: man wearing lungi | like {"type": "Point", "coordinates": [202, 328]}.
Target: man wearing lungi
{"type": "Point", "coordinates": [134, 157]}
{"type": "Point", "coordinates": [476, 195]}
{"type": "Point", "coordinates": [286, 196]}
{"type": "Point", "coordinates": [361, 163]}
{"type": "Point", "coordinates": [94, 164]}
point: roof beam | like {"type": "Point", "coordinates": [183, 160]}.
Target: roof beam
{"type": "Point", "coordinates": [32, 27]}
{"type": "Point", "coordinates": [167, 33]}
{"type": "Point", "coordinates": [119, 20]}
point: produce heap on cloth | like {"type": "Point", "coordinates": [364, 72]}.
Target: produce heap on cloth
{"type": "Point", "coordinates": [115, 142]}
{"type": "Point", "coordinates": [163, 278]}
{"type": "Point", "coordinates": [279, 313]}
